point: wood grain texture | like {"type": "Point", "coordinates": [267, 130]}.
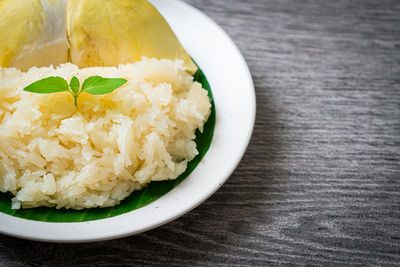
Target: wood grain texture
{"type": "Point", "coordinates": [320, 181]}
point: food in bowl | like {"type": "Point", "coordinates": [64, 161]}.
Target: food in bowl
{"type": "Point", "coordinates": [94, 155]}
{"type": "Point", "coordinates": [59, 153]}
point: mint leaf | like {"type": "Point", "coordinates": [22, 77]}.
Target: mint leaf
{"type": "Point", "coordinates": [48, 85]}
{"type": "Point", "coordinates": [97, 85]}
{"type": "Point", "coordinates": [74, 84]}
{"type": "Point", "coordinates": [94, 85]}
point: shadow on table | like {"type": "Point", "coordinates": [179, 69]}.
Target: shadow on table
{"type": "Point", "coordinates": [217, 226]}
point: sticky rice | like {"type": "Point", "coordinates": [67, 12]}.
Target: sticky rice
{"type": "Point", "coordinates": [53, 154]}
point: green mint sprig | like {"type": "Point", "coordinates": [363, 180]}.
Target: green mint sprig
{"type": "Point", "coordinates": [95, 85]}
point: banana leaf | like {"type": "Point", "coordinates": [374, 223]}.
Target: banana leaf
{"type": "Point", "coordinates": [137, 199]}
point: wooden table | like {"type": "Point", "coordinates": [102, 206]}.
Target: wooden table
{"type": "Point", "coordinates": [320, 181]}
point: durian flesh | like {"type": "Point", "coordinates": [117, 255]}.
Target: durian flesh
{"type": "Point", "coordinates": [84, 32]}
{"type": "Point", "coordinates": [33, 33]}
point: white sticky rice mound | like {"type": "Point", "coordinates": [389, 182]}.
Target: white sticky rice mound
{"type": "Point", "coordinates": [52, 154]}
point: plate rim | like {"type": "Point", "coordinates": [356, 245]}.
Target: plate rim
{"type": "Point", "coordinates": [57, 234]}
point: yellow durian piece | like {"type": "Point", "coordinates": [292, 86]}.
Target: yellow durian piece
{"type": "Point", "coordinates": [110, 32]}
{"type": "Point", "coordinates": [33, 33]}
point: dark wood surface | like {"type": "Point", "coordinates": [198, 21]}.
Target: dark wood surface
{"type": "Point", "coordinates": [320, 181]}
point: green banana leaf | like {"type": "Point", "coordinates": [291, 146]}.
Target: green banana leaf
{"type": "Point", "coordinates": [137, 199]}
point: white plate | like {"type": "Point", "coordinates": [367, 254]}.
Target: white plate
{"type": "Point", "coordinates": [234, 96]}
